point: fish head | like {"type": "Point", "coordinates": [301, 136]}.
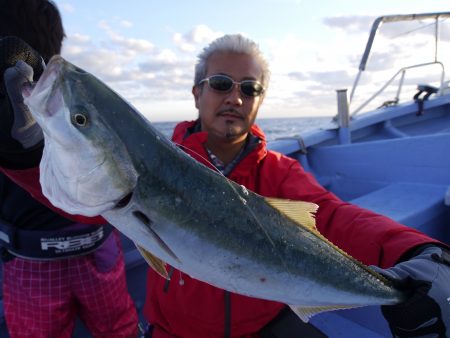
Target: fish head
{"type": "Point", "coordinates": [85, 168]}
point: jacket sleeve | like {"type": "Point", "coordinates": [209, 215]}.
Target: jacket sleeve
{"type": "Point", "coordinates": [28, 179]}
{"type": "Point", "coordinates": [372, 238]}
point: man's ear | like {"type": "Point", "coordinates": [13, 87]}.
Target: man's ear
{"type": "Point", "coordinates": [196, 91]}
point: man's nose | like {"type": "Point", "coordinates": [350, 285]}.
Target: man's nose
{"type": "Point", "coordinates": [234, 97]}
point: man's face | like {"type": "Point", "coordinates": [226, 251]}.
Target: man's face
{"type": "Point", "coordinates": [228, 116]}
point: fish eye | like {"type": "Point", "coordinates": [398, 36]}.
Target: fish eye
{"type": "Point", "coordinates": [80, 119]}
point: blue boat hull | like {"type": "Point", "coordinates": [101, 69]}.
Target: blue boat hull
{"type": "Point", "coordinates": [394, 162]}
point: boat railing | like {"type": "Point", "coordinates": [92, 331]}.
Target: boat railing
{"type": "Point", "coordinates": [402, 73]}
{"type": "Point", "coordinates": [375, 27]}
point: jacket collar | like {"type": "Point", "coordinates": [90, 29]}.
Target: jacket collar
{"type": "Point", "coordinates": [188, 135]}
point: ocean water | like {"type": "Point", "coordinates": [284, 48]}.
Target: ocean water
{"type": "Point", "coordinates": [273, 127]}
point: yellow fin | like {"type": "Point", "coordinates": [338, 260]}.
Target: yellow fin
{"type": "Point", "coordinates": [299, 211]}
{"type": "Point", "coordinates": [155, 263]}
{"type": "Point", "coordinates": [305, 313]}
{"type": "Point", "coordinates": [304, 213]}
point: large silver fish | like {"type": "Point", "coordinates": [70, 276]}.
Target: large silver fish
{"type": "Point", "coordinates": [102, 157]}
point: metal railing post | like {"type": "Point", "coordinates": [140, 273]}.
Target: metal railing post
{"type": "Point", "coordinates": [343, 116]}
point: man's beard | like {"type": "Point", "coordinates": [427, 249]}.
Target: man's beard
{"type": "Point", "coordinates": [232, 134]}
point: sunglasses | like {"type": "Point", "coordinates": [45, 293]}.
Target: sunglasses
{"type": "Point", "coordinates": [225, 84]}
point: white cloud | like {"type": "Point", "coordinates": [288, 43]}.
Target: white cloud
{"type": "Point", "coordinates": [180, 42]}
{"type": "Point", "coordinates": [305, 72]}
{"type": "Point", "coordinates": [67, 7]}
{"type": "Point", "coordinates": [126, 24]}
{"type": "Point", "coordinates": [350, 23]}
{"type": "Point", "coordinates": [131, 45]}
{"type": "Point", "coordinates": [135, 68]}
{"type": "Point", "coordinates": [200, 35]}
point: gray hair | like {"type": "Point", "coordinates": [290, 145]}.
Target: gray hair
{"type": "Point", "coordinates": [234, 43]}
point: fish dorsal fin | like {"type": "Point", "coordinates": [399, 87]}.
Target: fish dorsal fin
{"type": "Point", "coordinates": [299, 211]}
{"type": "Point", "coordinates": [155, 263]}
{"type": "Point", "coordinates": [305, 313]}
{"type": "Point", "coordinates": [303, 213]}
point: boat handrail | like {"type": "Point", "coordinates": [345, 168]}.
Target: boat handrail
{"type": "Point", "coordinates": [402, 71]}
{"type": "Point", "coordinates": [395, 18]}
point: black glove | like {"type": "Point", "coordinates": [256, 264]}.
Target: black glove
{"type": "Point", "coordinates": [19, 64]}
{"type": "Point", "coordinates": [13, 49]}
{"type": "Point", "coordinates": [427, 312]}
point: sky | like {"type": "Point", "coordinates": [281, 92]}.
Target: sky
{"type": "Point", "coordinates": [146, 50]}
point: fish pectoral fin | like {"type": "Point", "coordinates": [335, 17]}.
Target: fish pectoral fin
{"type": "Point", "coordinates": [155, 263]}
{"type": "Point", "coordinates": [145, 220]}
{"type": "Point", "coordinates": [306, 312]}
{"type": "Point", "coordinates": [299, 211]}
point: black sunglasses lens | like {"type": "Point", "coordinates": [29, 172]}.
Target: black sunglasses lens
{"type": "Point", "coordinates": [220, 83]}
{"type": "Point", "coordinates": [223, 83]}
{"type": "Point", "coordinates": [251, 88]}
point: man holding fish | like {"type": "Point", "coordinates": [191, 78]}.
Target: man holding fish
{"type": "Point", "coordinates": [231, 77]}
{"type": "Point", "coordinates": [210, 229]}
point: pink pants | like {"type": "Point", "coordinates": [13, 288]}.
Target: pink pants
{"type": "Point", "coordinates": [43, 298]}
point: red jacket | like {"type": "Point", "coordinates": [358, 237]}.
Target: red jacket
{"type": "Point", "coordinates": [185, 307]}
